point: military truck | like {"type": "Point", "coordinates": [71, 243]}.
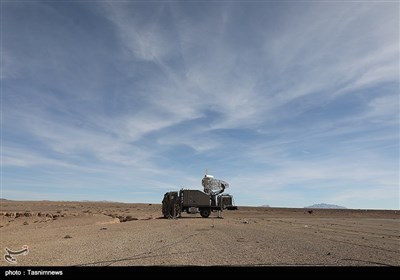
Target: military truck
{"type": "Point", "coordinates": [196, 201]}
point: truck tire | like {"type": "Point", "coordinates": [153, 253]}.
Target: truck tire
{"type": "Point", "coordinates": [205, 212]}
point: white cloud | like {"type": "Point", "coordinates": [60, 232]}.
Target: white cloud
{"type": "Point", "coordinates": [146, 40]}
{"type": "Point", "coordinates": [183, 74]}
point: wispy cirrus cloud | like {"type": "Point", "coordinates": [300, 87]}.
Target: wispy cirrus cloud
{"type": "Point", "coordinates": [285, 99]}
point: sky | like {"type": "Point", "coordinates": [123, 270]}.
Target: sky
{"type": "Point", "coordinates": [291, 103]}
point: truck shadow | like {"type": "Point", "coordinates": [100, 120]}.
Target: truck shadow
{"type": "Point", "coordinates": [188, 217]}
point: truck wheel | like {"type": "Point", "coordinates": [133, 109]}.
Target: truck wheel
{"type": "Point", "coordinates": [205, 213]}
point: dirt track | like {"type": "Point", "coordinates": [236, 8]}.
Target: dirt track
{"type": "Point", "coordinates": [92, 234]}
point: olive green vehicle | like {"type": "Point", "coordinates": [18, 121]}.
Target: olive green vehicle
{"type": "Point", "coordinates": [196, 201]}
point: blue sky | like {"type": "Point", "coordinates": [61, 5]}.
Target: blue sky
{"type": "Point", "coordinates": [292, 103]}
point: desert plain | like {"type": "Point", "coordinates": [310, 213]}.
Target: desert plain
{"type": "Point", "coordinates": [61, 233]}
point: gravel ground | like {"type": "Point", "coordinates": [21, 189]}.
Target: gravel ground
{"type": "Point", "coordinates": [118, 234]}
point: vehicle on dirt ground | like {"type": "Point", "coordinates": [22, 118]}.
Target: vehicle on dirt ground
{"type": "Point", "coordinates": [204, 202]}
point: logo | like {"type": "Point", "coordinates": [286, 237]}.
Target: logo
{"type": "Point", "coordinates": [9, 256]}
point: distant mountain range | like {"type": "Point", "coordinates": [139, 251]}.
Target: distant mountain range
{"type": "Point", "coordinates": [326, 206]}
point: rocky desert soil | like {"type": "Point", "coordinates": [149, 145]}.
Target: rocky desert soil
{"type": "Point", "coordinates": [121, 234]}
